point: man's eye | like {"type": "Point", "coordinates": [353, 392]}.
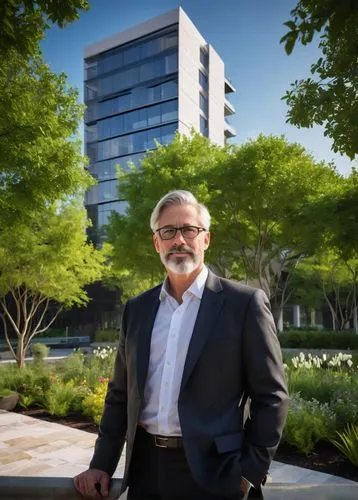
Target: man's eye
{"type": "Point", "coordinates": [189, 231]}
{"type": "Point", "coordinates": [168, 230]}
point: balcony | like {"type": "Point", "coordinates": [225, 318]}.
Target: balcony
{"type": "Point", "coordinates": [229, 130]}
{"type": "Point", "coordinates": [228, 108]}
{"type": "Point", "coordinates": [229, 86]}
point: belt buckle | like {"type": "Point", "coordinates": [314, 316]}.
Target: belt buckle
{"type": "Point", "coordinates": [158, 440]}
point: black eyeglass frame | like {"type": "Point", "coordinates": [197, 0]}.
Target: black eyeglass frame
{"type": "Point", "coordinates": [198, 229]}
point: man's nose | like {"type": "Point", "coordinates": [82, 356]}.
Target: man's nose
{"type": "Point", "coordinates": [179, 238]}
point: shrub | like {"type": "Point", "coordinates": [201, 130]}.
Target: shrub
{"type": "Point", "coordinates": [93, 403]}
{"type": "Point", "coordinates": [6, 392]}
{"type": "Point", "coordinates": [307, 423]}
{"type": "Point", "coordinates": [318, 340]}
{"type": "Point", "coordinates": [319, 384]}
{"type": "Point", "coordinates": [30, 382]}
{"type": "Point", "coordinates": [106, 336]}
{"type": "Point", "coordinates": [73, 367]}
{"type": "Point", "coordinates": [100, 364]}
{"type": "Point", "coordinates": [344, 404]}
{"type": "Point", "coordinates": [63, 397]}
{"type": "Point", "coordinates": [39, 351]}
{"type": "Point", "coordinates": [348, 443]}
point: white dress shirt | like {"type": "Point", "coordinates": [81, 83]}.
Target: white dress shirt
{"type": "Point", "coordinates": [171, 335]}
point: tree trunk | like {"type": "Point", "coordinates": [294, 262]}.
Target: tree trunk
{"type": "Point", "coordinates": [278, 317]}
{"type": "Point", "coordinates": [355, 319]}
{"type": "Point", "coordinates": [20, 354]}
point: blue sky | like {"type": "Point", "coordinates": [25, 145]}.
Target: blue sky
{"type": "Point", "coordinates": [245, 33]}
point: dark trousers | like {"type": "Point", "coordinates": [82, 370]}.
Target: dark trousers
{"type": "Point", "coordinates": [163, 474]}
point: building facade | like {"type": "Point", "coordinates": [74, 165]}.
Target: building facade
{"type": "Point", "coordinates": [141, 86]}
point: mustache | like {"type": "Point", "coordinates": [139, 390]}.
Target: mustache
{"type": "Point", "coordinates": [180, 249]}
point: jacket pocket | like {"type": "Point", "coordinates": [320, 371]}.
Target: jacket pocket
{"type": "Point", "coordinates": [229, 442]}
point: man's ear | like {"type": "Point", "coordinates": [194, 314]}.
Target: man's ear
{"type": "Point", "coordinates": [155, 242]}
{"type": "Point", "coordinates": [207, 240]}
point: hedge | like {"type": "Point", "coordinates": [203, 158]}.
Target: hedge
{"type": "Point", "coordinates": [318, 340]}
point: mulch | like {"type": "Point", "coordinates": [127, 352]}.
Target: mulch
{"type": "Point", "coordinates": [325, 458]}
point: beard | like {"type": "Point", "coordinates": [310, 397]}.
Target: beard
{"type": "Point", "coordinates": [180, 264]}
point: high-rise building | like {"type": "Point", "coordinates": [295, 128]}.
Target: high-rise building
{"type": "Point", "coordinates": [141, 85]}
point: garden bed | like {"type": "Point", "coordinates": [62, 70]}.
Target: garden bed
{"type": "Point", "coordinates": [325, 458]}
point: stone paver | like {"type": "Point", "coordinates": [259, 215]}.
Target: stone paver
{"type": "Point", "coordinates": [30, 447]}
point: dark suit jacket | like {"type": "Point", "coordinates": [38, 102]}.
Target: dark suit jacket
{"type": "Point", "coordinates": [233, 354]}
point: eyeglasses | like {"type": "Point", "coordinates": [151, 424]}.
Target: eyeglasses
{"type": "Point", "coordinates": [188, 232]}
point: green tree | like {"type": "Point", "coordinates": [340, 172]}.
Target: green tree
{"type": "Point", "coordinates": [22, 24]}
{"type": "Point", "coordinates": [259, 191]}
{"type": "Point", "coordinates": [40, 153]}
{"type": "Point", "coordinates": [331, 98]}
{"type": "Point", "coordinates": [338, 280]}
{"type": "Point", "coordinates": [44, 267]}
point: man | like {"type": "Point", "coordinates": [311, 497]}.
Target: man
{"type": "Point", "coordinates": [191, 352]}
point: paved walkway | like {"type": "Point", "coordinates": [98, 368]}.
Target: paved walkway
{"type": "Point", "coordinates": [31, 447]}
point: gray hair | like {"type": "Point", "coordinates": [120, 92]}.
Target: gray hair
{"type": "Point", "coordinates": [179, 197]}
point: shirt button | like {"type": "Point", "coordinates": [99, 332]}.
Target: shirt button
{"type": "Point", "coordinates": [168, 363]}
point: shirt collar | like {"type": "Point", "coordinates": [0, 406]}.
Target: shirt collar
{"type": "Point", "coordinates": [196, 288]}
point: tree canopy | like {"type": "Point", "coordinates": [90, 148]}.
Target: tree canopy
{"type": "Point", "coordinates": [44, 266]}
{"type": "Point", "coordinates": [40, 155]}
{"type": "Point", "coordinates": [330, 97]}
{"type": "Point", "coordinates": [22, 24]}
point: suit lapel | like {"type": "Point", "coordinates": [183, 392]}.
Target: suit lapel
{"type": "Point", "coordinates": [148, 313]}
{"type": "Point", "coordinates": [210, 306]}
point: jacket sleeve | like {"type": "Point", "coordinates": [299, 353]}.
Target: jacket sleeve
{"type": "Point", "coordinates": [266, 387]}
{"type": "Point", "coordinates": [113, 425]}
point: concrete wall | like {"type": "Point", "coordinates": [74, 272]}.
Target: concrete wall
{"type": "Point", "coordinates": [190, 41]}
{"type": "Point", "coordinates": [216, 97]}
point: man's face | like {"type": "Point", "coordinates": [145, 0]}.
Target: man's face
{"type": "Point", "coordinates": [181, 255]}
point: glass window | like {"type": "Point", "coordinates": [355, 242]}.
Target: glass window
{"type": "Point", "coordinates": [204, 126]}
{"type": "Point", "coordinates": [91, 112]}
{"type": "Point", "coordinates": [131, 55]}
{"type": "Point", "coordinates": [169, 111]}
{"type": "Point", "coordinates": [203, 102]}
{"type": "Point", "coordinates": [169, 89]}
{"type": "Point", "coordinates": [105, 210]}
{"type": "Point", "coordinates": [91, 152]}
{"type": "Point", "coordinates": [153, 115]}
{"type": "Point", "coordinates": [150, 48]}
{"type": "Point", "coordinates": [203, 80]}
{"type": "Point", "coordinates": [204, 58]}
{"type": "Point", "coordinates": [107, 169]}
{"type": "Point", "coordinates": [125, 145]}
{"type": "Point", "coordinates": [169, 41]}
{"type": "Point", "coordinates": [90, 133]}
{"type": "Point", "coordinates": [154, 93]}
{"type": "Point", "coordinates": [139, 96]}
{"type": "Point", "coordinates": [139, 140]}
{"type": "Point", "coordinates": [168, 133]}
{"type": "Point", "coordinates": [140, 120]}
{"type": "Point", "coordinates": [90, 69]}
{"type": "Point", "coordinates": [171, 63]}
{"type": "Point", "coordinates": [152, 136]}
{"type": "Point", "coordinates": [91, 90]}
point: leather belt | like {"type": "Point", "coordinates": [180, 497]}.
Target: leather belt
{"type": "Point", "coordinates": [166, 441]}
